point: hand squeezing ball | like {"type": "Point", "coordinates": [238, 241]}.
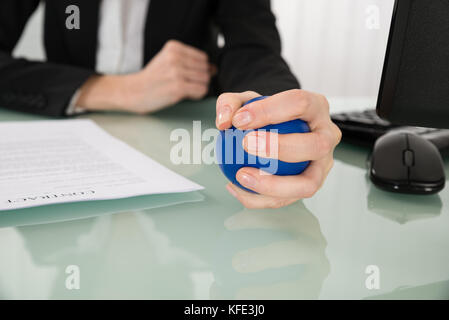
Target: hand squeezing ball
{"type": "Point", "coordinates": [231, 155]}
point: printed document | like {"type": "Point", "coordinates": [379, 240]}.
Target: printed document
{"type": "Point", "coordinates": [48, 162]}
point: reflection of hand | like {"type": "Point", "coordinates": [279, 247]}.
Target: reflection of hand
{"type": "Point", "coordinates": [177, 72]}
{"type": "Point", "coordinates": [301, 245]}
{"type": "Point", "coordinates": [317, 146]}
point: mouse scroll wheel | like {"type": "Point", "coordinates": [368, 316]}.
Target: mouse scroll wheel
{"type": "Point", "coordinates": [409, 158]}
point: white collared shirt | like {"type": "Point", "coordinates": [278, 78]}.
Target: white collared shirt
{"type": "Point", "coordinates": [121, 36]}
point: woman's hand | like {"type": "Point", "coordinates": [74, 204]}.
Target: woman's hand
{"type": "Point", "coordinates": [317, 146]}
{"type": "Point", "coordinates": [177, 72]}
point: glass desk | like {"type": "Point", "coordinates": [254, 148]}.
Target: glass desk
{"type": "Point", "coordinates": [327, 247]}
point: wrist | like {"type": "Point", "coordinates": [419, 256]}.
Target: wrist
{"type": "Point", "coordinates": [101, 93]}
{"type": "Point", "coordinates": [129, 91]}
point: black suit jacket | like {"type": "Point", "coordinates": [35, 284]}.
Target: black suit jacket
{"type": "Point", "coordinates": [250, 60]}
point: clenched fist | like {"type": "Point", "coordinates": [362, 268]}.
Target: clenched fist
{"type": "Point", "coordinates": [317, 146]}
{"type": "Point", "coordinates": [177, 72]}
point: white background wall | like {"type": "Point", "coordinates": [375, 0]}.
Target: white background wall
{"type": "Point", "coordinates": [329, 46]}
{"type": "Point", "coordinates": [326, 42]}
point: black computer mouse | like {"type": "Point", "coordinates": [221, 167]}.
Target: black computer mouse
{"type": "Point", "coordinates": [407, 163]}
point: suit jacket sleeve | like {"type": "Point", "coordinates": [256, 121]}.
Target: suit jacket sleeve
{"type": "Point", "coordinates": [35, 87]}
{"type": "Point", "coordinates": [251, 58]}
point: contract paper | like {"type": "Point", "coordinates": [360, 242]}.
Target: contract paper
{"type": "Point", "coordinates": [49, 162]}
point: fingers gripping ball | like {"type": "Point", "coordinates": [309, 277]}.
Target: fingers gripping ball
{"type": "Point", "coordinates": [231, 155]}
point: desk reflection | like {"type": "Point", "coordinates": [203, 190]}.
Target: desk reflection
{"type": "Point", "coordinates": [259, 254]}
{"type": "Point", "coordinates": [119, 256]}
{"type": "Point", "coordinates": [401, 208]}
{"type": "Point", "coordinates": [270, 254]}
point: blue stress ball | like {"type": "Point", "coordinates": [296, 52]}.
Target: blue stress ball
{"type": "Point", "coordinates": [231, 155]}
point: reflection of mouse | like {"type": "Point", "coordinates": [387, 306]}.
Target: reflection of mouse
{"type": "Point", "coordinates": [403, 208]}
{"type": "Point", "coordinates": [406, 163]}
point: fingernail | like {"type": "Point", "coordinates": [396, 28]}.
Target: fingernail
{"type": "Point", "coordinates": [256, 143]}
{"type": "Point", "coordinates": [231, 191]}
{"type": "Point", "coordinates": [224, 114]}
{"type": "Point", "coordinates": [242, 119]}
{"type": "Point", "coordinates": [247, 180]}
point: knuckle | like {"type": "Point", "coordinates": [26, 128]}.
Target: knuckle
{"type": "Point", "coordinates": [306, 101]}
{"type": "Point", "coordinates": [325, 145]}
{"type": "Point", "coordinates": [297, 93]}
{"type": "Point", "coordinates": [263, 111]}
{"type": "Point", "coordinates": [301, 96]}
{"type": "Point", "coordinates": [172, 57]}
{"type": "Point", "coordinates": [322, 145]}
{"type": "Point", "coordinates": [338, 134]}
{"type": "Point", "coordinates": [303, 100]}
{"type": "Point", "coordinates": [224, 98]}
{"type": "Point", "coordinates": [250, 93]}
{"type": "Point", "coordinates": [324, 103]}
{"type": "Point", "coordinates": [172, 44]}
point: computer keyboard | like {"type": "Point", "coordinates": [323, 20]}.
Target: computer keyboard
{"type": "Point", "coordinates": [366, 127]}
